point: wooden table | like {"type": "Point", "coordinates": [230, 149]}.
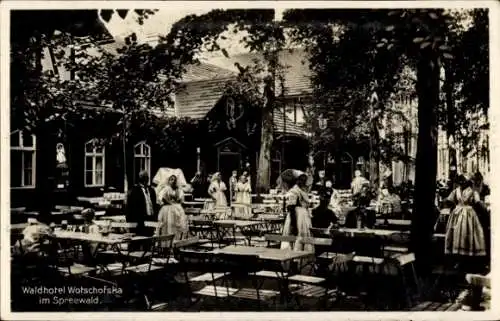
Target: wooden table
{"type": "Point", "coordinates": [264, 253]}
{"type": "Point", "coordinates": [202, 199]}
{"type": "Point", "coordinates": [381, 221]}
{"type": "Point", "coordinates": [238, 223]}
{"type": "Point", "coordinates": [282, 257]}
{"type": "Point", "coordinates": [91, 200]}
{"type": "Point", "coordinates": [116, 218]}
{"type": "Point", "coordinates": [111, 239]}
{"type": "Point", "coordinates": [377, 232]}
{"type": "Point", "coordinates": [193, 203]}
{"type": "Point", "coordinates": [246, 228]}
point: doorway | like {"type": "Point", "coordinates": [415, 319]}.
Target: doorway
{"type": "Point", "coordinates": [228, 162]}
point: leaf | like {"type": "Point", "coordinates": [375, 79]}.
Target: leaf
{"type": "Point", "coordinates": [424, 45]}
{"type": "Point", "coordinates": [418, 40]}
{"type": "Point", "coordinates": [225, 53]}
{"type": "Point", "coordinates": [433, 15]}
{"type": "Point", "coordinates": [444, 48]}
{"type": "Point", "coordinates": [380, 45]}
{"type": "Point", "coordinates": [389, 28]}
{"type": "Point", "coordinates": [390, 46]}
{"type": "Point", "coordinates": [447, 55]}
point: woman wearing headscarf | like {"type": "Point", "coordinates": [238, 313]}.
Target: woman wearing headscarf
{"type": "Point", "coordinates": [172, 218]}
{"type": "Point", "coordinates": [243, 197]}
{"type": "Point", "coordinates": [464, 233]}
{"type": "Point", "coordinates": [481, 209]}
{"type": "Point", "coordinates": [298, 220]}
{"type": "Point", "coordinates": [217, 190]}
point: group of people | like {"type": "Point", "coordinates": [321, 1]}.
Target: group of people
{"type": "Point", "coordinates": [165, 204]}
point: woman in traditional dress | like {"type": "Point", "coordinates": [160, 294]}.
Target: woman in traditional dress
{"type": "Point", "coordinates": [172, 218]}
{"type": "Point", "coordinates": [335, 200]}
{"type": "Point", "coordinates": [243, 197]}
{"type": "Point", "coordinates": [464, 233]}
{"type": "Point", "coordinates": [298, 219]}
{"type": "Point", "coordinates": [217, 191]}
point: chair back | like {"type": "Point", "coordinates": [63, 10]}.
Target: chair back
{"type": "Point", "coordinates": [162, 249]}
{"type": "Point", "coordinates": [341, 242]}
{"type": "Point", "coordinates": [226, 233]}
{"type": "Point", "coordinates": [179, 244]}
{"type": "Point", "coordinates": [320, 241]}
{"type": "Point", "coordinates": [319, 232]}
{"type": "Point", "coordinates": [367, 244]}
{"type": "Point", "coordinates": [278, 238]}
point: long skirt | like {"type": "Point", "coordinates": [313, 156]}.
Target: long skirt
{"type": "Point", "coordinates": [303, 226]}
{"type": "Point", "coordinates": [173, 220]}
{"type": "Point", "coordinates": [244, 207]}
{"type": "Point", "coordinates": [220, 199]}
{"type": "Point", "coordinates": [464, 233]}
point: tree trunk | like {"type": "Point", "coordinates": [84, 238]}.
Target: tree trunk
{"type": "Point", "coordinates": [266, 142]}
{"type": "Point", "coordinates": [424, 211]}
{"type": "Point", "coordinates": [374, 156]}
{"type": "Point", "coordinates": [450, 119]}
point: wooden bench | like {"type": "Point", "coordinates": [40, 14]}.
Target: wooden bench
{"type": "Point", "coordinates": [437, 306]}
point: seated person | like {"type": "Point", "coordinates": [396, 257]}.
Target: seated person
{"type": "Point", "coordinates": [395, 200]}
{"type": "Point", "coordinates": [362, 201]}
{"type": "Point", "coordinates": [364, 198]}
{"type": "Point", "coordinates": [34, 236]}
{"type": "Point", "coordinates": [386, 201]}
{"type": "Point", "coordinates": [89, 225]}
{"type": "Point", "coordinates": [323, 217]}
{"type": "Point", "coordinates": [89, 249]}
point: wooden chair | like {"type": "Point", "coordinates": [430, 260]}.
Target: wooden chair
{"type": "Point", "coordinates": [402, 262]}
{"type": "Point", "coordinates": [144, 276]}
{"type": "Point", "coordinates": [241, 268]}
{"type": "Point", "coordinates": [318, 282]}
{"type": "Point", "coordinates": [208, 272]}
{"type": "Point", "coordinates": [155, 226]}
{"type": "Point", "coordinates": [206, 232]}
{"type": "Point", "coordinates": [275, 240]}
{"type": "Point", "coordinates": [226, 234]}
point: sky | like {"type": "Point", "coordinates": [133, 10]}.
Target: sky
{"type": "Point", "coordinates": [161, 22]}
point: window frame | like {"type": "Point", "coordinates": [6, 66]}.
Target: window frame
{"type": "Point", "coordinates": [142, 155]}
{"type": "Point", "coordinates": [94, 155]}
{"type": "Point", "coordinates": [23, 149]}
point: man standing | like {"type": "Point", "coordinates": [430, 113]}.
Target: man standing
{"type": "Point", "coordinates": [141, 204]}
{"type": "Point", "coordinates": [232, 186]}
{"type": "Point", "coordinates": [357, 183]}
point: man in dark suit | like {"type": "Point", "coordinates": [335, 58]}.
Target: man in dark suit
{"type": "Point", "coordinates": [141, 204]}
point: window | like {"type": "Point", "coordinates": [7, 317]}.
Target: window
{"type": "Point", "coordinates": [94, 164]}
{"type": "Point", "coordinates": [22, 159]}
{"type": "Point", "coordinates": [142, 159]}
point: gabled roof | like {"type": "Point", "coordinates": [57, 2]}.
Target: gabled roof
{"type": "Point", "coordinates": [196, 99]}
{"type": "Point", "coordinates": [204, 71]}
{"type": "Point", "coordinates": [296, 69]}
{"type": "Point", "coordinates": [288, 128]}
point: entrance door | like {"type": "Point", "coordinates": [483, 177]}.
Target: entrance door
{"type": "Point", "coordinates": [346, 171]}
{"type": "Point", "coordinates": [228, 162]}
